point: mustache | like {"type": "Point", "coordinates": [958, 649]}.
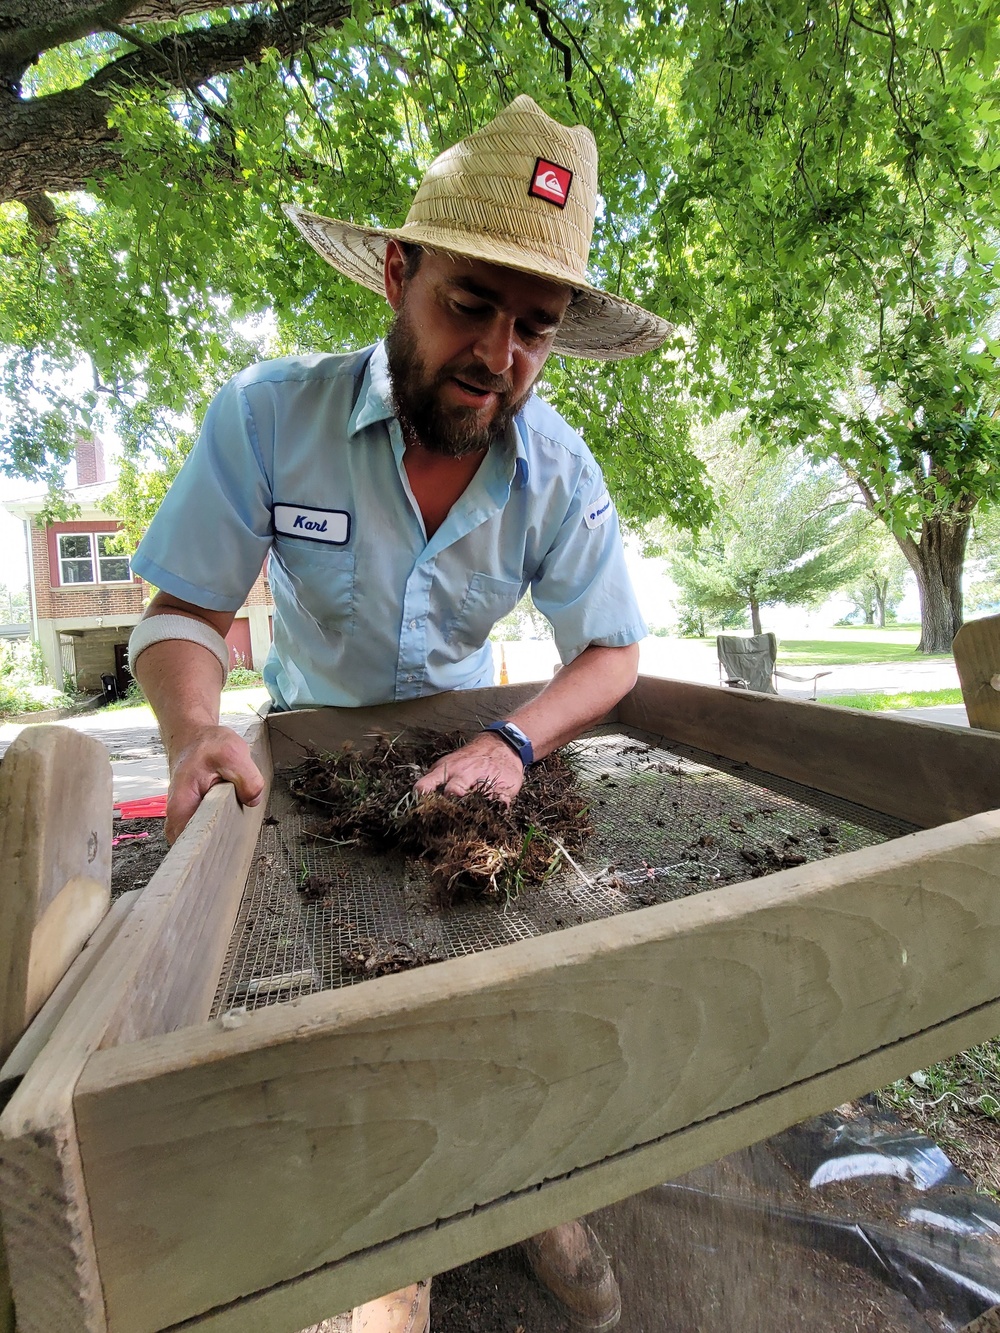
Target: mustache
{"type": "Point", "coordinates": [479, 377]}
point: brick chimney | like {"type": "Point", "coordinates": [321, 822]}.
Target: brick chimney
{"type": "Point", "coordinates": [89, 460]}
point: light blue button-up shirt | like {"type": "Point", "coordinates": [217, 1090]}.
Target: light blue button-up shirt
{"type": "Point", "coordinates": [302, 458]}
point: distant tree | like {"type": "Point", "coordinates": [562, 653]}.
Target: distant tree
{"type": "Point", "coordinates": [524, 622]}
{"type": "Point", "coordinates": [910, 409]}
{"type": "Point", "coordinates": [878, 588]}
{"type": "Point", "coordinates": [783, 533]}
{"type": "Point", "coordinates": [983, 586]}
{"type": "Point", "coordinates": [849, 243]}
{"type": "Point", "coordinates": [14, 608]}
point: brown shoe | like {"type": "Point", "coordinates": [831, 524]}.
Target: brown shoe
{"type": "Point", "coordinates": [404, 1311]}
{"type": "Point", "coordinates": [570, 1262]}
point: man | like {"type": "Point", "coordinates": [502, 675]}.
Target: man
{"type": "Point", "coordinates": [408, 495]}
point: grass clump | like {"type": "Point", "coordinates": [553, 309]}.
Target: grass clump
{"type": "Point", "coordinates": [475, 845]}
{"type": "Point", "coordinates": [132, 698]}
{"type": "Point", "coordinates": [243, 677]}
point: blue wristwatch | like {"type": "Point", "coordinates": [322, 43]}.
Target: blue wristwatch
{"type": "Point", "coordinates": [515, 738]}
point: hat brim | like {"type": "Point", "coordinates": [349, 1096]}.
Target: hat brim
{"type": "Point", "coordinates": [597, 325]}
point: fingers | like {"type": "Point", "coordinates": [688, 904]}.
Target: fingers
{"type": "Point", "coordinates": [215, 755]}
{"type": "Point", "coordinates": [485, 764]}
{"type": "Point", "coordinates": [183, 800]}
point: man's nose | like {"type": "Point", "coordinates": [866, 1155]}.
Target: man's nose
{"type": "Point", "coordinates": [495, 346]}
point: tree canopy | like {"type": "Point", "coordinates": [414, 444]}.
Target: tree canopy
{"type": "Point", "coordinates": [807, 192]}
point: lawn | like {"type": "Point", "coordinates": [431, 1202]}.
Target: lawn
{"type": "Point", "coordinates": [847, 646]}
{"type": "Point", "coordinates": [882, 703]}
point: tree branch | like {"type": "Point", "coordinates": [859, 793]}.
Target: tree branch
{"type": "Point", "coordinates": [29, 27]}
{"type": "Point", "coordinates": [60, 141]}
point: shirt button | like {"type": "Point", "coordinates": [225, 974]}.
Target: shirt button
{"type": "Point", "coordinates": [411, 678]}
{"type": "Point", "coordinates": [414, 624]}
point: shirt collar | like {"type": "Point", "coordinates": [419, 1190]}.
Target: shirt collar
{"type": "Point", "coordinates": [375, 398]}
{"type": "Point", "coordinates": [375, 404]}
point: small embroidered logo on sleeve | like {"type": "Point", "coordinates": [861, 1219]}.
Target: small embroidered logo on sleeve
{"type": "Point", "coordinates": [599, 512]}
{"type": "Point", "coordinates": [550, 181]}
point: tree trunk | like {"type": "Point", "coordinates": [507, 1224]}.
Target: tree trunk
{"type": "Point", "coordinates": [937, 560]}
{"type": "Point", "coordinates": [881, 597]}
{"type": "Point", "coordinates": [755, 616]}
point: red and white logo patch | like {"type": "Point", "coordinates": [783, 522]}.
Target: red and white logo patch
{"type": "Point", "coordinates": [550, 181]}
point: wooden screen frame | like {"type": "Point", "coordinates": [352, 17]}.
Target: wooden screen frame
{"type": "Point", "coordinates": [578, 1068]}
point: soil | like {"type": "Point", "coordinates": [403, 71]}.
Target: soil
{"type": "Point", "coordinates": [138, 849]}
{"type": "Point", "coordinates": [474, 845]}
{"type": "Point", "coordinates": [684, 1270]}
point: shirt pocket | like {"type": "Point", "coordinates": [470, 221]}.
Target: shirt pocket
{"type": "Point", "coordinates": [318, 579]}
{"type": "Point", "coordinates": [487, 601]}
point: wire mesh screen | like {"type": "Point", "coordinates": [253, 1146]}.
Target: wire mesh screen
{"type": "Point", "coordinates": [669, 821]}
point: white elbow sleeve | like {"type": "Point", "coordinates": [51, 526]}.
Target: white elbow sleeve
{"type": "Point", "coordinates": [155, 629]}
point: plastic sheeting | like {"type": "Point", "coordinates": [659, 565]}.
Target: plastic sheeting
{"type": "Point", "coordinates": [869, 1193]}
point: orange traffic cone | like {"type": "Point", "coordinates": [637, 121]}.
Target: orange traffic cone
{"type": "Point", "coordinates": [504, 678]}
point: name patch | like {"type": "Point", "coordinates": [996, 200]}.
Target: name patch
{"type": "Point", "coordinates": [332, 526]}
{"type": "Point", "coordinates": [599, 512]}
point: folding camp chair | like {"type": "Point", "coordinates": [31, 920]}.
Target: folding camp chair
{"type": "Point", "coordinates": [749, 664]}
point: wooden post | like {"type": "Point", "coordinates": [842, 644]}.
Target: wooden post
{"type": "Point", "coordinates": [55, 854]}
{"type": "Point", "coordinates": [159, 973]}
{"type": "Point", "coordinates": [977, 658]}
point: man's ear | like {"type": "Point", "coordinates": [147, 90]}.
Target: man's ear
{"type": "Point", "coordinates": [395, 265]}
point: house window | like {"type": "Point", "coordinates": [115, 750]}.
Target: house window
{"type": "Point", "coordinates": [89, 557]}
{"type": "Point", "coordinates": [76, 558]}
{"type": "Point", "coordinates": [112, 566]}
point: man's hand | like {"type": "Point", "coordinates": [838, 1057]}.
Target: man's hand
{"type": "Point", "coordinates": [212, 754]}
{"type": "Point", "coordinates": [486, 762]}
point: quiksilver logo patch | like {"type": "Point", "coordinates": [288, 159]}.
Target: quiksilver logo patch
{"type": "Point", "coordinates": [332, 526]}
{"type": "Point", "coordinates": [551, 181]}
{"type": "Point", "coordinates": [599, 512]}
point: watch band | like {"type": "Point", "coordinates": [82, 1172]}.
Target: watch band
{"type": "Point", "coordinates": [515, 738]}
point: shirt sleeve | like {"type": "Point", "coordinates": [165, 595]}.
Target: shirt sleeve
{"type": "Point", "coordinates": [208, 540]}
{"type": "Point", "coordinates": [583, 587]}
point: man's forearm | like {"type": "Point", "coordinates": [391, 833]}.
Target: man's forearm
{"type": "Point", "coordinates": [578, 696]}
{"type": "Point", "coordinates": [182, 680]}
{"type": "Point", "coordinates": [183, 684]}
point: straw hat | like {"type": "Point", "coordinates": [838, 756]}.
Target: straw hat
{"type": "Point", "coordinates": [520, 193]}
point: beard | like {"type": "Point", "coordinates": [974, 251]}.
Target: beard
{"type": "Point", "coordinates": [453, 432]}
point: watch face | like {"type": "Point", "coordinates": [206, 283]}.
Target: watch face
{"type": "Point", "coordinates": [515, 738]}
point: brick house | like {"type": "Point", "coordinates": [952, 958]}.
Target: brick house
{"type": "Point", "coordinates": [84, 598]}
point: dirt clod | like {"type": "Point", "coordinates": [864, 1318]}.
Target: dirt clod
{"type": "Point", "coordinates": [379, 958]}
{"type": "Point", "coordinates": [475, 845]}
{"type": "Point", "coordinates": [315, 888]}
